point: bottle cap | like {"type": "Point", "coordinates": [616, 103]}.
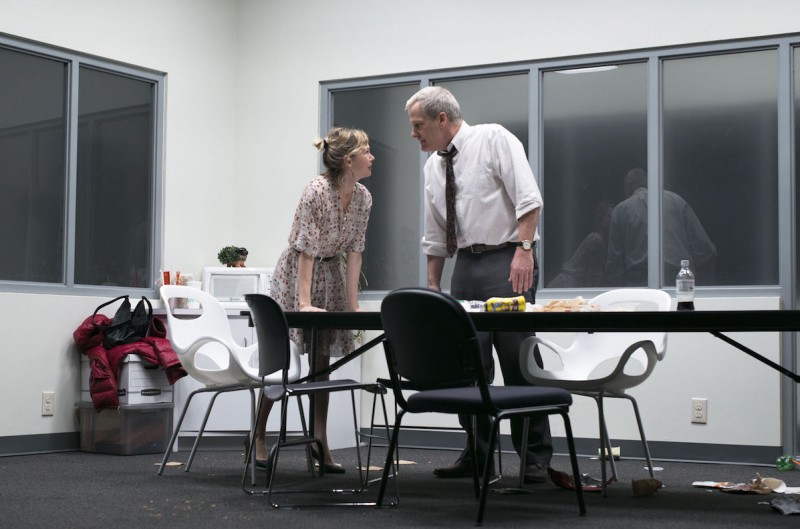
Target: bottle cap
{"type": "Point", "coordinates": [685, 262]}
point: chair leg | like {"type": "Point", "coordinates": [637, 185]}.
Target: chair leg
{"type": "Point", "coordinates": [371, 435]}
{"type": "Point", "coordinates": [487, 470]}
{"type": "Point", "coordinates": [641, 433]}
{"type": "Point", "coordinates": [573, 458]}
{"type": "Point", "coordinates": [201, 431]}
{"type": "Point", "coordinates": [175, 433]}
{"type": "Point", "coordinates": [390, 461]}
{"type": "Point", "coordinates": [523, 458]}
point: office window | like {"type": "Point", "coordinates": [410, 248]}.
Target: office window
{"type": "Point", "coordinates": [392, 255]}
{"type": "Point", "coordinates": [720, 152]}
{"type": "Point", "coordinates": [32, 167]}
{"type": "Point", "coordinates": [594, 130]}
{"type": "Point", "coordinates": [796, 256]}
{"type": "Point", "coordinates": [90, 223]}
{"type": "Point", "coordinates": [694, 129]}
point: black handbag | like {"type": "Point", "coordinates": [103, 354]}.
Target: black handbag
{"type": "Point", "coordinates": [126, 326]}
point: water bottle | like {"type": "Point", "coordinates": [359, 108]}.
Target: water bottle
{"type": "Point", "coordinates": [684, 287]}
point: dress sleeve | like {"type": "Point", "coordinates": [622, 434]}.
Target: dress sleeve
{"type": "Point", "coordinates": [306, 234]}
{"type": "Point", "coordinates": [361, 220]}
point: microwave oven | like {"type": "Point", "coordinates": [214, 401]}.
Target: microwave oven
{"type": "Point", "coordinates": [229, 285]}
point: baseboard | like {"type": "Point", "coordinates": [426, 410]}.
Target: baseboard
{"type": "Point", "coordinates": [435, 439]}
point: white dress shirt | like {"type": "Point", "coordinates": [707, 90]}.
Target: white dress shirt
{"type": "Point", "coordinates": [494, 187]}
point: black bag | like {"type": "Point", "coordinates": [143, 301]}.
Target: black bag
{"type": "Point", "coordinates": [126, 326]}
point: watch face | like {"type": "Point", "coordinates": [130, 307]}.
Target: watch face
{"type": "Point", "coordinates": [526, 245]}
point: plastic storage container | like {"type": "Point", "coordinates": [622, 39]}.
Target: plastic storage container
{"type": "Point", "coordinates": [137, 384]}
{"type": "Point", "coordinates": [128, 430]}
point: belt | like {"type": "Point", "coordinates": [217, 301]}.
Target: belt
{"type": "Point", "coordinates": [325, 259]}
{"type": "Point", "coordinates": [481, 248]}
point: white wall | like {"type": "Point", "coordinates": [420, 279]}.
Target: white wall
{"type": "Point", "coordinates": [243, 108]}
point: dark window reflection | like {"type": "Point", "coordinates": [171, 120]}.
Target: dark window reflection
{"type": "Point", "coordinates": [32, 167]}
{"type": "Point", "coordinates": [114, 203]}
{"type": "Point", "coordinates": [595, 131]}
{"type": "Point", "coordinates": [720, 152]}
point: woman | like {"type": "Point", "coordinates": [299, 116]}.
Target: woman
{"type": "Point", "coordinates": [330, 221]}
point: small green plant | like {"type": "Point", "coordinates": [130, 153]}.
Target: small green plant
{"type": "Point", "coordinates": [232, 256]}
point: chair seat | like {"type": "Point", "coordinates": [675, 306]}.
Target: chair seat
{"type": "Point", "coordinates": [460, 400]}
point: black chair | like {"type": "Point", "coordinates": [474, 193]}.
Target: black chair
{"type": "Point", "coordinates": [431, 341]}
{"type": "Point", "coordinates": [274, 356]}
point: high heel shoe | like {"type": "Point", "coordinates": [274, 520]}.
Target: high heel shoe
{"type": "Point", "coordinates": [330, 468]}
{"type": "Point", "coordinates": [260, 463]}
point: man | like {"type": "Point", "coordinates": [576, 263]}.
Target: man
{"type": "Point", "coordinates": [495, 214]}
{"type": "Point", "coordinates": [684, 236]}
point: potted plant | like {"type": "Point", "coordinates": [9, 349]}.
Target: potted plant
{"type": "Point", "coordinates": [233, 256]}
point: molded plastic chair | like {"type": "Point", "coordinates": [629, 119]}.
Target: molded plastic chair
{"type": "Point", "coordinates": [275, 360]}
{"type": "Point", "coordinates": [432, 342]}
{"type": "Point", "coordinates": [210, 355]}
{"type": "Point", "coordinates": [604, 364]}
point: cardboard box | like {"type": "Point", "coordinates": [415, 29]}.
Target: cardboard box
{"type": "Point", "coordinates": [138, 383]}
{"type": "Point", "coordinates": [128, 430]}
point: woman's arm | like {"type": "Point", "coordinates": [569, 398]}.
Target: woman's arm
{"type": "Point", "coordinates": [305, 270]}
{"type": "Point", "coordinates": [351, 280]}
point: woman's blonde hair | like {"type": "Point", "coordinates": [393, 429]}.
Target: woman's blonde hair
{"type": "Point", "coordinates": [340, 142]}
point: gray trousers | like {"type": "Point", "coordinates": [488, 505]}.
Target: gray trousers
{"type": "Point", "coordinates": [479, 277]}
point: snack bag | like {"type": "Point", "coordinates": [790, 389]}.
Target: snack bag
{"type": "Point", "coordinates": [515, 304]}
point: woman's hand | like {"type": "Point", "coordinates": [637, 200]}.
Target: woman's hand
{"type": "Point", "coordinates": [311, 308]}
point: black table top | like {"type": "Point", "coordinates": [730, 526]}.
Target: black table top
{"type": "Point", "coordinates": [681, 321]}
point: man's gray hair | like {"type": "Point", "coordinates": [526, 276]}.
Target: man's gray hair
{"type": "Point", "coordinates": [435, 99]}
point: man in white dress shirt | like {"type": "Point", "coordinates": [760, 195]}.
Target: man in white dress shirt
{"type": "Point", "coordinates": [497, 209]}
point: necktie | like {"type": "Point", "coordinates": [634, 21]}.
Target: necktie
{"type": "Point", "coordinates": [450, 199]}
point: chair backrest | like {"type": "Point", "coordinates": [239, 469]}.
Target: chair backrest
{"type": "Point", "coordinates": [274, 343]}
{"type": "Point", "coordinates": [430, 340]}
{"type": "Point", "coordinates": [633, 299]}
{"type": "Point", "coordinates": [204, 342]}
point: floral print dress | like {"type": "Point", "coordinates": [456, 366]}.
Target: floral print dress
{"type": "Point", "coordinates": [323, 229]}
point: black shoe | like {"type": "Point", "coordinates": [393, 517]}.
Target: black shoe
{"type": "Point", "coordinates": [462, 468]}
{"type": "Point", "coordinates": [536, 473]}
{"type": "Point", "coordinates": [330, 468]}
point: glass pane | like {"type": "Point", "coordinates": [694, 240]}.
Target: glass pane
{"type": "Point", "coordinates": [32, 154]}
{"type": "Point", "coordinates": [594, 132]}
{"type": "Point", "coordinates": [114, 204]}
{"type": "Point", "coordinates": [796, 257]}
{"type": "Point", "coordinates": [720, 153]}
{"type": "Point", "coordinates": [502, 99]}
{"type": "Point", "coordinates": [392, 256]}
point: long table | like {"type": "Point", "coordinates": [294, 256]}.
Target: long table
{"type": "Point", "coordinates": [717, 323]}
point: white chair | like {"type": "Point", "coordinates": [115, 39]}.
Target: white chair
{"type": "Point", "coordinates": [603, 364]}
{"type": "Point", "coordinates": [209, 354]}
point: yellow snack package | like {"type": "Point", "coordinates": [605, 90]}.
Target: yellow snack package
{"type": "Point", "coordinates": [515, 304]}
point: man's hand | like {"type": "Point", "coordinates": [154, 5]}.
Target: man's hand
{"type": "Point", "coordinates": [521, 274]}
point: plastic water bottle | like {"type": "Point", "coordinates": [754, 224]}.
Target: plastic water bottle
{"type": "Point", "coordinates": [684, 287]}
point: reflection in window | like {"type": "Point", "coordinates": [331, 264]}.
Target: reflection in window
{"type": "Point", "coordinates": [721, 157]}
{"type": "Point", "coordinates": [114, 207]}
{"type": "Point", "coordinates": [594, 133]}
{"type": "Point", "coordinates": [32, 154]}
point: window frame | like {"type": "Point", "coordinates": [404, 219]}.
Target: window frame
{"type": "Point", "coordinates": [73, 61]}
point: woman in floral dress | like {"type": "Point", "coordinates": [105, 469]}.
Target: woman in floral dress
{"type": "Point", "coordinates": [330, 222]}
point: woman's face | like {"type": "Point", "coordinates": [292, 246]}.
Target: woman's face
{"type": "Point", "coordinates": [361, 163]}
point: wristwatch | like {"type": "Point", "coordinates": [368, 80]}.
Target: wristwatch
{"type": "Point", "coordinates": [525, 245]}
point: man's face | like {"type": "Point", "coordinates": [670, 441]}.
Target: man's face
{"type": "Point", "coordinates": [430, 133]}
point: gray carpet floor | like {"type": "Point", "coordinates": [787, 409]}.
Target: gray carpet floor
{"type": "Point", "coordinates": [76, 489]}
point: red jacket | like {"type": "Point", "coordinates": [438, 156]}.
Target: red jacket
{"type": "Point", "coordinates": [107, 363]}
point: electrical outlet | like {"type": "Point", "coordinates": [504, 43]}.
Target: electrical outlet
{"type": "Point", "coordinates": [700, 411]}
{"type": "Point", "coordinates": [48, 402]}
